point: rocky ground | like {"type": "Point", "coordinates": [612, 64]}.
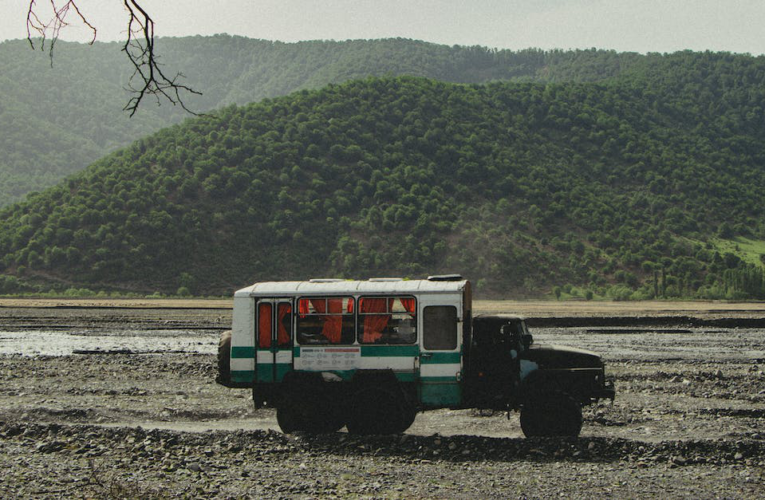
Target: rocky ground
{"type": "Point", "coordinates": [119, 402]}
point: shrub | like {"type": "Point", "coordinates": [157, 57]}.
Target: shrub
{"type": "Point", "coordinates": [619, 293]}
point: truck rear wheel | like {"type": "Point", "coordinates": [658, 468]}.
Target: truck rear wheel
{"type": "Point", "coordinates": [410, 413]}
{"type": "Point", "coordinates": [379, 411]}
{"type": "Point", "coordinates": [288, 418]}
{"type": "Point", "coordinates": [551, 416]}
{"type": "Point", "coordinates": [309, 405]}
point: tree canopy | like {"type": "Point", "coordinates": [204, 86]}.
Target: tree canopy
{"type": "Point", "coordinates": [55, 121]}
{"type": "Point", "coordinates": [623, 187]}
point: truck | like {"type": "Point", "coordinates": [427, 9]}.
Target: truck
{"type": "Point", "coordinates": [370, 354]}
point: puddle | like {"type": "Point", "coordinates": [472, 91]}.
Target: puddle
{"type": "Point", "coordinates": [699, 344]}
{"type": "Point", "coordinates": [55, 343]}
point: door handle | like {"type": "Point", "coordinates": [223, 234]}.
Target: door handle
{"type": "Point", "coordinates": [426, 355]}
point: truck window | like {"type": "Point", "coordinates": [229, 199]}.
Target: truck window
{"type": "Point", "coordinates": [325, 320]}
{"type": "Point", "coordinates": [387, 320]}
{"type": "Point", "coordinates": [264, 325]}
{"type": "Point", "coordinates": [440, 328]}
{"type": "Point", "coordinates": [284, 325]}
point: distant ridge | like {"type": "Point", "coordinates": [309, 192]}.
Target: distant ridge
{"type": "Point", "coordinates": [629, 188]}
{"type": "Point", "coordinates": [56, 121]}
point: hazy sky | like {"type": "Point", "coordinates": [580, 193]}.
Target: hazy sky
{"type": "Point", "coordinates": [623, 25]}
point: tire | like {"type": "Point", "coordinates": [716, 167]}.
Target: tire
{"type": "Point", "coordinates": [295, 416]}
{"type": "Point", "coordinates": [410, 414]}
{"type": "Point", "coordinates": [224, 359]}
{"type": "Point", "coordinates": [551, 416]}
{"type": "Point", "coordinates": [379, 411]}
{"type": "Point", "coordinates": [329, 423]}
{"type": "Point", "coordinates": [287, 418]}
{"type": "Point", "coordinates": [308, 406]}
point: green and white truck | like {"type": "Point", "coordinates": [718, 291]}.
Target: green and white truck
{"type": "Point", "coordinates": [369, 355]}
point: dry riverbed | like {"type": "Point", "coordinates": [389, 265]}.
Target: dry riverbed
{"type": "Point", "coordinates": [118, 400]}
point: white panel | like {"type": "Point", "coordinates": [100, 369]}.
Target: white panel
{"type": "Point", "coordinates": [242, 364]}
{"type": "Point", "coordinates": [439, 370]}
{"type": "Point", "coordinates": [243, 322]}
{"type": "Point", "coordinates": [284, 356]}
{"type": "Point", "coordinates": [398, 364]}
{"type": "Point", "coordinates": [268, 357]}
{"type": "Point", "coordinates": [366, 363]}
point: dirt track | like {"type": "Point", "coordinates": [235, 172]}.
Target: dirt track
{"type": "Point", "coordinates": [144, 417]}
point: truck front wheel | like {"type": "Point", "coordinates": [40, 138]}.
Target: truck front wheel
{"type": "Point", "coordinates": [557, 415]}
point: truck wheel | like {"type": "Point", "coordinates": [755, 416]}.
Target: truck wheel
{"type": "Point", "coordinates": [409, 415]}
{"type": "Point", "coordinates": [224, 359]}
{"type": "Point", "coordinates": [288, 418]}
{"type": "Point", "coordinates": [329, 423]}
{"type": "Point", "coordinates": [309, 406]}
{"type": "Point", "coordinates": [553, 416]}
{"type": "Point", "coordinates": [378, 411]}
{"type": "Point", "coordinates": [293, 418]}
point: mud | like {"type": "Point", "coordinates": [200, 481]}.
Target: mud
{"type": "Point", "coordinates": [139, 415]}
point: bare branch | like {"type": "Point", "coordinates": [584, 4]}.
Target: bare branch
{"type": "Point", "coordinates": [139, 48]}
{"type": "Point", "coordinates": [51, 28]}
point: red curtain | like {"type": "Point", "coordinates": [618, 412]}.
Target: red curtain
{"type": "Point", "coordinates": [282, 335]}
{"type": "Point", "coordinates": [333, 324]}
{"type": "Point", "coordinates": [264, 326]}
{"type": "Point", "coordinates": [303, 307]}
{"type": "Point", "coordinates": [319, 305]}
{"type": "Point", "coordinates": [409, 305]}
{"type": "Point", "coordinates": [374, 324]}
{"type": "Point", "coordinates": [333, 319]}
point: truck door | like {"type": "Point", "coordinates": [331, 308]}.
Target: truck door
{"type": "Point", "coordinates": [440, 356]}
{"type": "Point", "coordinates": [273, 339]}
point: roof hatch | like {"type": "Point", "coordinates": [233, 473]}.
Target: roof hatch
{"type": "Point", "coordinates": [445, 277]}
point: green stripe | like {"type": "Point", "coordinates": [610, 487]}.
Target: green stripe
{"type": "Point", "coordinates": [243, 352]}
{"type": "Point", "coordinates": [266, 371]}
{"type": "Point", "coordinates": [296, 352]}
{"type": "Point", "coordinates": [440, 394]}
{"type": "Point", "coordinates": [245, 376]}
{"type": "Point", "coordinates": [442, 358]}
{"type": "Point", "coordinates": [346, 375]}
{"type": "Point", "coordinates": [438, 380]}
{"type": "Point", "coordinates": [388, 351]}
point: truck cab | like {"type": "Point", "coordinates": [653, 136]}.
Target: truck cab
{"type": "Point", "coordinates": [548, 384]}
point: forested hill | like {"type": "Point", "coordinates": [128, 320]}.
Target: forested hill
{"type": "Point", "coordinates": [56, 121]}
{"type": "Point", "coordinates": [622, 189]}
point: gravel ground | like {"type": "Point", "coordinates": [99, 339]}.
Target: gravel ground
{"type": "Point", "coordinates": [139, 415]}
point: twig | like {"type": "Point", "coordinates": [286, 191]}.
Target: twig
{"type": "Point", "coordinates": [139, 48]}
{"type": "Point", "coordinates": [54, 25]}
